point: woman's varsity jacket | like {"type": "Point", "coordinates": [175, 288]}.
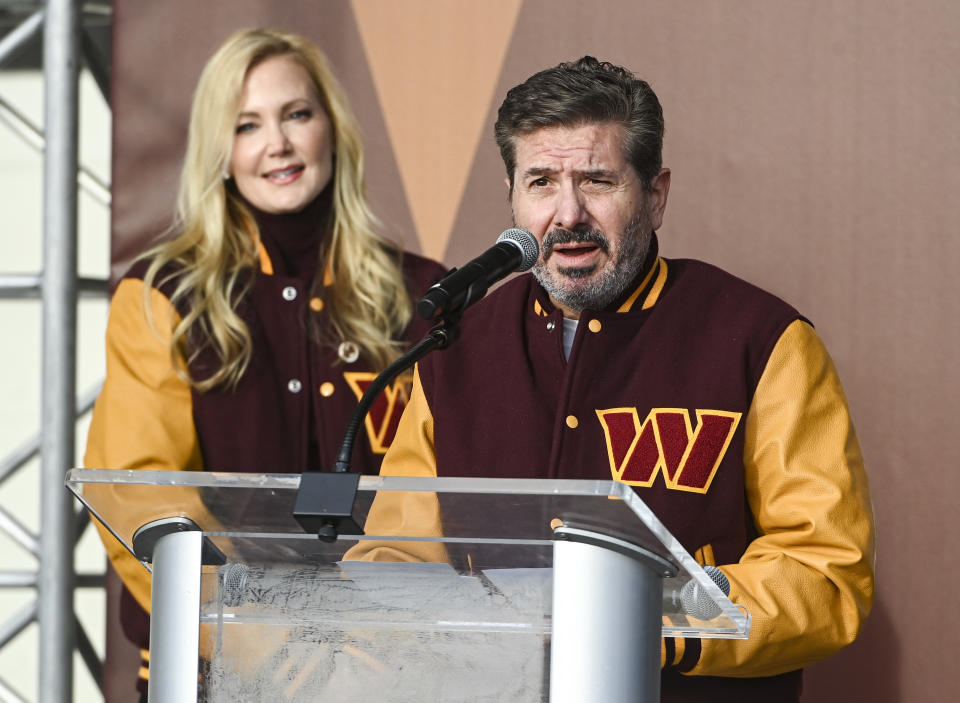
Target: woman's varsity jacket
{"type": "Point", "coordinates": [287, 415]}
{"type": "Point", "coordinates": [718, 403]}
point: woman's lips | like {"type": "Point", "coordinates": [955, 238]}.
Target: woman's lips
{"type": "Point", "coordinates": [282, 176]}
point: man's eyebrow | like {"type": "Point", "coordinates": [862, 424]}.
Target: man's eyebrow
{"type": "Point", "coordinates": [599, 173]}
{"type": "Point", "coordinates": [596, 173]}
{"type": "Point", "coordinates": [538, 171]}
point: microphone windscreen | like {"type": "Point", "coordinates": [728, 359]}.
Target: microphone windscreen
{"type": "Point", "coordinates": [696, 602]}
{"type": "Point", "coordinates": [527, 244]}
{"type": "Point", "coordinates": [234, 585]}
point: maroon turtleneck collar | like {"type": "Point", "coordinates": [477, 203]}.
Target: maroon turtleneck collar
{"type": "Point", "coordinates": [293, 240]}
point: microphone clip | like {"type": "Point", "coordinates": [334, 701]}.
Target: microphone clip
{"type": "Point", "coordinates": [324, 504]}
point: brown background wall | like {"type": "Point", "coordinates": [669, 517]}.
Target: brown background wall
{"type": "Point", "coordinates": [814, 149]}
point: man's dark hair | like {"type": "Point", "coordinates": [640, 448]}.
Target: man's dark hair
{"type": "Point", "coordinates": [584, 92]}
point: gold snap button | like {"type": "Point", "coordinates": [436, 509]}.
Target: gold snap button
{"type": "Point", "coordinates": [572, 422]}
{"type": "Point", "coordinates": [327, 389]}
{"type": "Point", "coordinates": [316, 304]}
{"type": "Point", "coordinates": [595, 326]}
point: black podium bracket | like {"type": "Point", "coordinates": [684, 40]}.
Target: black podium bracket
{"type": "Point", "coordinates": [324, 504]}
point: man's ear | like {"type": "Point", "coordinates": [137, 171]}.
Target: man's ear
{"type": "Point", "coordinates": [659, 190]}
{"type": "Point", "coordinates": [509, 188]}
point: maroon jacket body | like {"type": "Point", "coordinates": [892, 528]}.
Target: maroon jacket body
{"type": "Point", "coordinates": [661, 391]}
{"type": "Point", "coordinates": [288, 412]}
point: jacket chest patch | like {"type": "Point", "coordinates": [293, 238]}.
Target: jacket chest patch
{"type": "Point", "coordinates": [384, 416]}
{"type": "Point", "coordinates": [666, 443]}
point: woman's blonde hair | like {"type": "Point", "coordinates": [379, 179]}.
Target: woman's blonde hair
{"type": "Point", "coordinates": [216, 248]}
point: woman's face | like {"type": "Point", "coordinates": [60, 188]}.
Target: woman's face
{"type": "Point", "coordinates": [282, 145]}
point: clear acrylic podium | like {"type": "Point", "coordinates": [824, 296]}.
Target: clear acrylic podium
{"type": "Point", "coordinates": [530, 590]}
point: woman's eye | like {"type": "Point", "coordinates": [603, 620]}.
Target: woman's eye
{"type": "Point", "coordinates": [300, 114]}
{"type": "Point", "coordinates": [245, 127]}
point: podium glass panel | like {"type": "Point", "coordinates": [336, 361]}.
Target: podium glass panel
{"type": "Point", "coordinates": [327, 630]}
{"type": "Point", "coordinates": [285, 616]}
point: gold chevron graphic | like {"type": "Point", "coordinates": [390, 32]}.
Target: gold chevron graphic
{"type": "Point", "coordinates": [435, 67]}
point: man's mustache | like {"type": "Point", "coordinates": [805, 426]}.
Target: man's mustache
{"type": "Point", "coordinates": [559, 236]}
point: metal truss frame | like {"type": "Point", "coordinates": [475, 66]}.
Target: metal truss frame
{"type": "Point", "coordinates": [65, 44]}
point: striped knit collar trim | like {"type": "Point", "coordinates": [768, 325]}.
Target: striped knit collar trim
{"type": "Point", "coordinates": [648, 291]}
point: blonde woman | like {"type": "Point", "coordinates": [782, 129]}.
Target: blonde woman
{"type": "Point", "coordinates": [244, 342]}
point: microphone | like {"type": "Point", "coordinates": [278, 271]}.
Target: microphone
{"type": "Point", "coordinates": [234, 586]}
{"type": "Point", "coordinates": [516, 250]}
{"type": "Point", "coordinates": [696, 602]}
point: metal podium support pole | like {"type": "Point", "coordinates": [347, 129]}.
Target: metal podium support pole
{"type": "Point", "coordinates": [607, 601]}
{"type": "Point", "coordinates": [175, 618]}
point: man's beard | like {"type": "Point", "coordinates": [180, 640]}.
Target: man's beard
{"type": "Point", "coordinates": [568, 286]}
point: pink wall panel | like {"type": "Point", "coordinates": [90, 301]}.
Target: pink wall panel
{"type": "Point", "coordinates": [814, 152]}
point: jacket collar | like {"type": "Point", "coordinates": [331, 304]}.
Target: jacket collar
{"type": "Point", "coordinates": [266, 264]}
{"type": "Point", "coordinates": [289, 244]}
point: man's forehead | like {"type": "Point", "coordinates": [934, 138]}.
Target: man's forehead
{"type": "Point", "coordinates": [592, 144]}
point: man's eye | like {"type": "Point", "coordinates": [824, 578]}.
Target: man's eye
{"type": "Point", "coordinates": [539, 183]}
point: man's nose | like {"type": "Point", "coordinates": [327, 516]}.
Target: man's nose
{"type": "Point", "coordinates": [571, 210]}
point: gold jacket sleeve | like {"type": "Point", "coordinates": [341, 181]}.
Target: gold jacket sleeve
{"type": "Point", "coordinates": [143, 418]}
{"type": "Point", "coordinates": [406, 513]}
{"type": "Point", "coordinates": [807, 580]}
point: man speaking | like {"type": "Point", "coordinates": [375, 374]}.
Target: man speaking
{"type": "Point", "coordinates": [715, 400]}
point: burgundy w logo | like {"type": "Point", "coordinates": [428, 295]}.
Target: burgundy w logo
{"type": "Point", "coordinates": [666, 441]}
{"type": "Point", "coordinates": [384, 416]}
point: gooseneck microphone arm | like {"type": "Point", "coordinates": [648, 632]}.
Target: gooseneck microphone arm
{"type": "Point", "coordinates": [324, 502]}
{"type": "Point", "coordinates": [440, 337]}
{"type": "Point", "coordinates": [516, 250]}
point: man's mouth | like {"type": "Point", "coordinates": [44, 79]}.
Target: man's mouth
{"type": "Point", "coordinates": [572, 249]}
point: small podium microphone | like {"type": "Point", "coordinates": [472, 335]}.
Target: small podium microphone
{"type": "Point", "coordinates": [516, 250]}
{"type": "Point", "coordinates": [696, 602]}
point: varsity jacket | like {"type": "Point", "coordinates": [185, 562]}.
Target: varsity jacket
{"type": "Point", "coordinates": [287, 414]}
{"type": "Point", "coordinates": [718, 403]}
